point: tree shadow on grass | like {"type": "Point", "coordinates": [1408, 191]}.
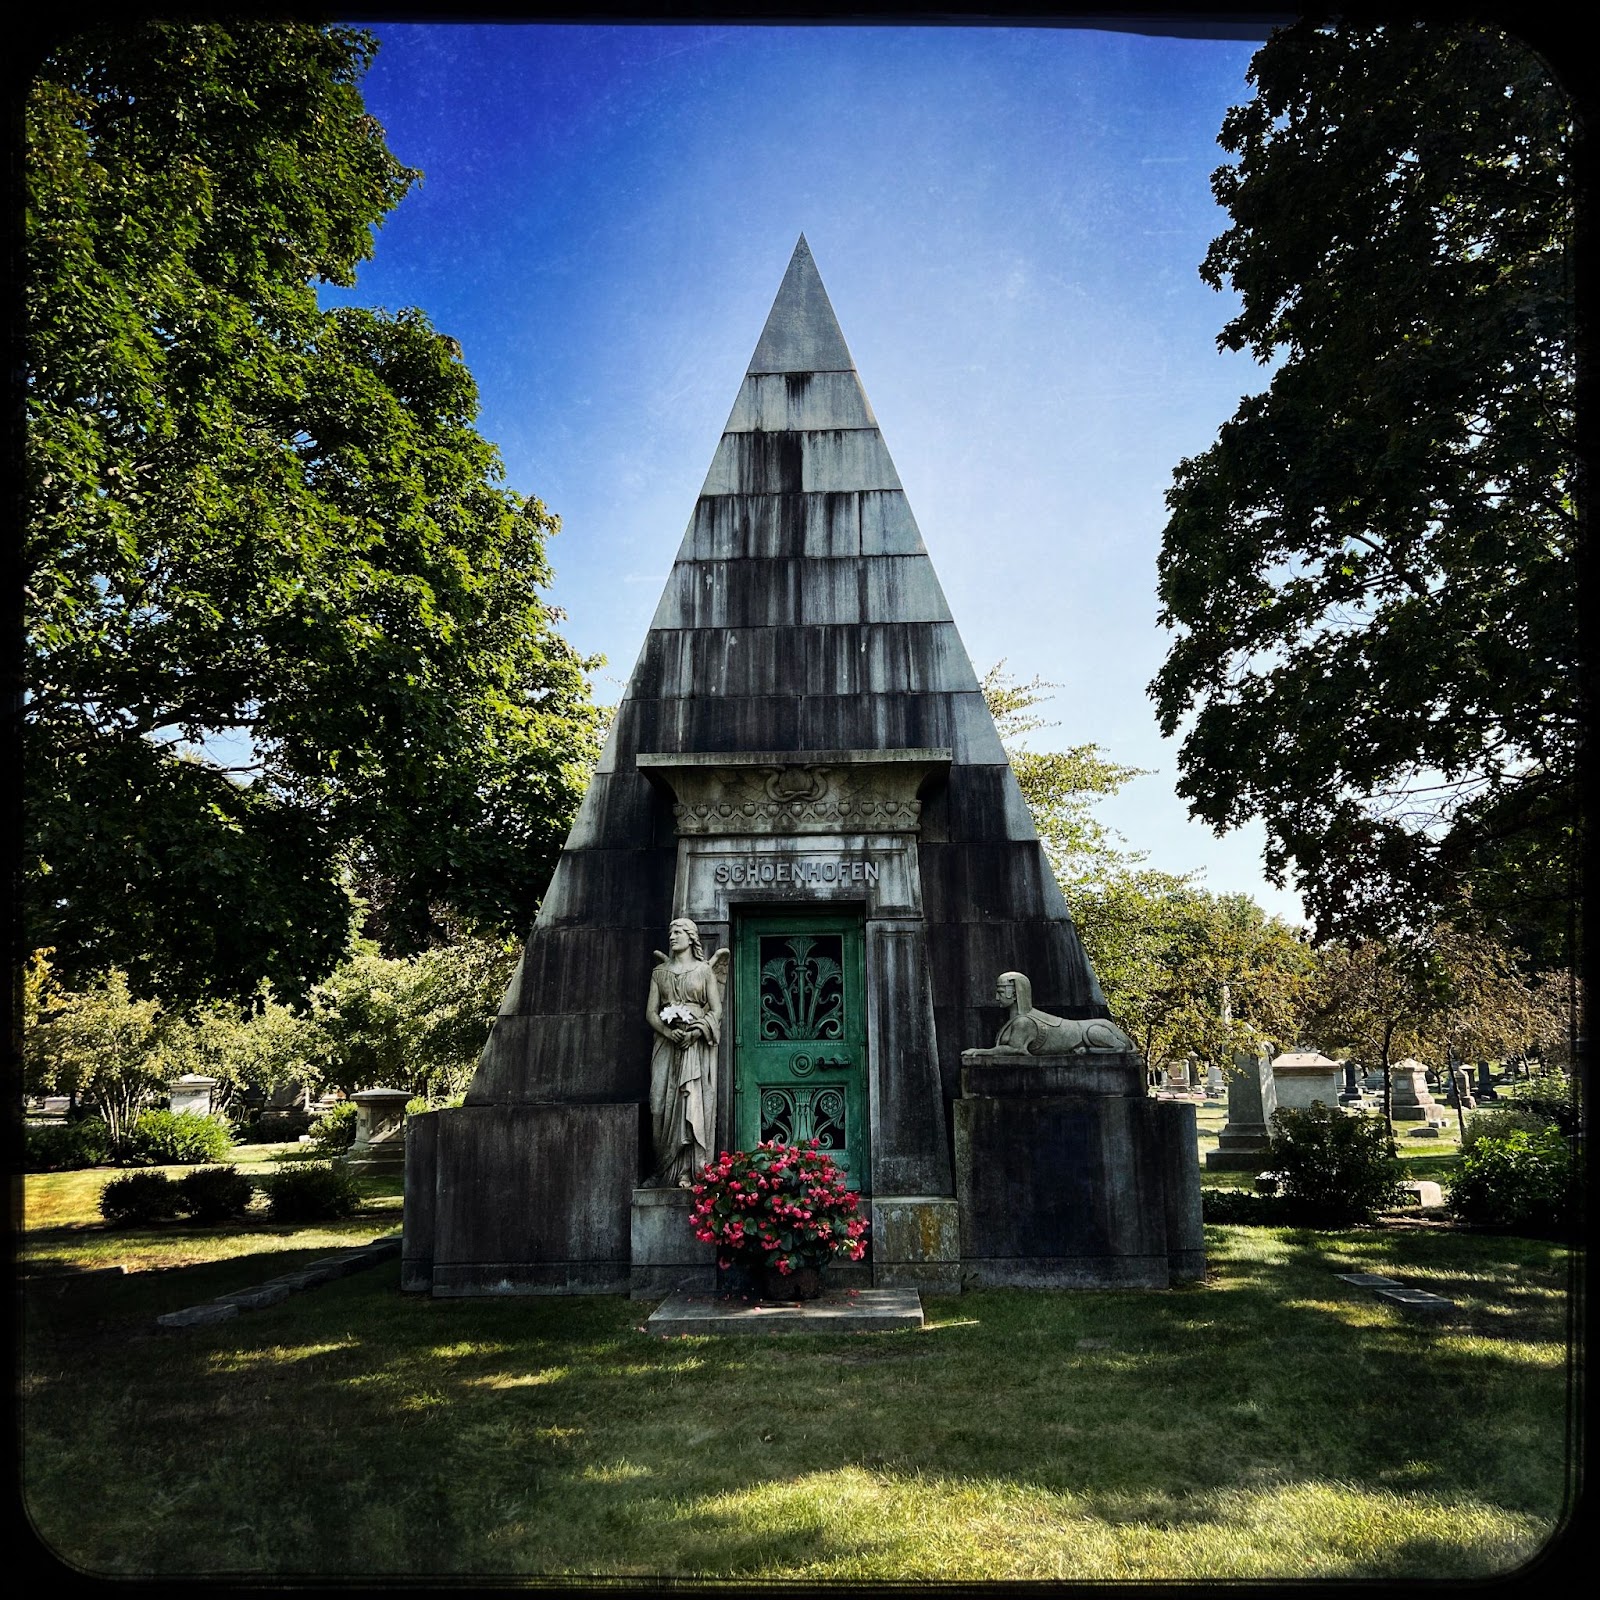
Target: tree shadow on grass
{"type": "Point", "coordinates": [354, 1430]}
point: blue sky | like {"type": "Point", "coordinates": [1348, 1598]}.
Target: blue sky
{"type": "Point", "coordinates": [1008, 221]}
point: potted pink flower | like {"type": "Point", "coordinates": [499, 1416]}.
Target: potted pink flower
{"type": "Point", "coordinates": [782, 1211]}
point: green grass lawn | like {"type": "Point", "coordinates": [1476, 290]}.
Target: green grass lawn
{"type": "Point", "coordinates": [1270, 1422]}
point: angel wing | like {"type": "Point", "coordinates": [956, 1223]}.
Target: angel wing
{"type": "Point", "coordinates": [719, 967]}
{"type": "Point", "coordinates": [660, 955]}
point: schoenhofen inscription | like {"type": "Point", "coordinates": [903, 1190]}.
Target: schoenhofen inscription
{"type": "Point", "coordinates": [802, 871]}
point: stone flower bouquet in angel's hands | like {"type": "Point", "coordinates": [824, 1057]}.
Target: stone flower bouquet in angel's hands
{"type": "Point", "coordinates": [779, 1207]}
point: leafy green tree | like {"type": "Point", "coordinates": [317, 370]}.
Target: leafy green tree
{"type": "Point", "coordinates": [1450, 993]}
{"type": "Point", "coordinates": [258, 1047]}
{"type": "Point", "coordinates": [417, 1025]}
{"type": "Point", "coordinates": [1190, 973]}
{"type": "Point", "coordinates": [1371, 574]}
{"type": "Point", "coordinates": [1060, 786]}
{"type": "Point", "coordinates": [1184, 971]}
{"type": "Point", "coordinates": [286, 626]}
{"type": "Point", "coordinates": [99, 1046]}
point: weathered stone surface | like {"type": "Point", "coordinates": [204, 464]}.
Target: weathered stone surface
{"type": "Point", "coordinates": [421, 1186]}
{"type": "Point", "coordinates": [802, 614]}
{"type": "Point", "coordinates": [665, 1255]}
{"type": "Point", "coordinates": [977, 803]}
{"type": "Point", "coordinates": [916, 1243]}
{"type": "Point", "coordinates": [911, 1151]}
{"type": "Point", "coordinates": [198, 1316]}
{"type": "Point", "coordinates": [1017, 1073]}
{"type": "Point", "coordinates": [864, 1311]}
{"type": "Point", "coordinates": [1064, 1190]}
{"type": "Point", "coordinates": [1252, 1099]}
{"type": "Point", "coordinates": [510, 1216]}
{"type": "Point", "coordinates": [877, 871]}
{"type": "Point", "coordinates": [257, 1299]}
{"type": "Point", "coordinates": [191, 1093]}
{"type": "Point", "coordinates": [1418, 1302]}
{"type": "Point", "coordinates": [780, 402]}
{"type": "Point", "coordinates": [1409, 1097]}
{"type": "Point", "coordinates": [1302, 1078]}
{"type": "Point", "coordinates": [888, 527]}
{"type": "Point", "coordinates": [801, 333]}
{"type": "Point", "coordinates": [380, 1128]}
{"type": "Point", "coordinates": [1177, 1140]}
{"type": "Point", "coordinates": [825, 792]}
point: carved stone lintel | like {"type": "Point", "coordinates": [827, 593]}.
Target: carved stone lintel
{"type": "Point", "coordinates": [804, 792]}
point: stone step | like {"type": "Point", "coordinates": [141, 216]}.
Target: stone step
{"type": "Point", "coordinates": [847, 1311]}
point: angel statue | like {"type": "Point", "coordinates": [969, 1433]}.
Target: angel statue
{"type": "Point", "coordinates": [685, 1012]}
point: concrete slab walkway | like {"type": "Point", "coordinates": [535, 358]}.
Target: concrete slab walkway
{"type": "Point", "coordinates": [274, 1290]}
{"type": "Point", "coordinates": [1424, 1302]}
{"type": "Point", "coordinates": [844, 1311]}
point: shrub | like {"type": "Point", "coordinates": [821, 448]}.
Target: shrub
{"type": "Point", "coordinates": [274, 1127]}
{"type": "Point", "coordinates": [335, 1131]}
{"type": "Point", "coordinates": [175, 1139]}
{"type": "Point", "coordinates": [1334, 1166]}
{"type": "Point", "coordinates": [63, 1146]}
{"type": "Point", "coordinates": [419, 1103]}
{"type": "Point", "coordinates": [1496, 1124]}
{"type": "Point", "coordinates": [310, 1191]}
{"type": "Point", "coordinates": [1521, 1181]}
{"type": "Point", "coordinates": [1240, 1205]}
{"type": "Point", "coordinates": [214, 1194]}
{"type": "Point", "coordinates": [139, 1197]}
{"type": "Point", "coordinates": [1551, 1097]}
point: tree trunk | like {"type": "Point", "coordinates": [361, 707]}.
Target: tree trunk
{"type": "Point", "coordinates": [1388, 1088]}
{"type": "Point", "coordinates": [1455, 1086]}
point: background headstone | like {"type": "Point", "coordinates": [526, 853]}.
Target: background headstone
{"type": "Point", "coordinates": [1306, 1076]}
{"type": "Point", "coordinates": [1409, 1098]}
{"type": "Point", "coordinates": [191, 1093]}
{"type": "Point", "coordinates": [1252, 1099]}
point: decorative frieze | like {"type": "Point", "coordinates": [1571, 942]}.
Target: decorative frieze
{"type": "Point", "coordinates": [825, 792]}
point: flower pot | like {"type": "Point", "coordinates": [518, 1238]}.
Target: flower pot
{"type": "Point", "coordinates": [804, 1283]}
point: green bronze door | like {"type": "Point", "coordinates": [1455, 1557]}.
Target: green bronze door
{"type": "Point", "coordinates": [800, 1037]}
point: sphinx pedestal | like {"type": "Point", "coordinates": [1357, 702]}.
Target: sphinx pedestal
{"type": "Point", "coordinates": [1069, 1176]}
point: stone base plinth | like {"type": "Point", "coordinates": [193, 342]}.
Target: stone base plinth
{"type": "Point", "coordinates": [666, 1256]}
{"type": "Point", "coordinates": [387, 1155]}
{"type": "Point", "coordinates": [1239, 1149]}
{"type": "Point", "coordinates": [916, 1243]}
{"type": "Point", "coordinates": [520, 1199]}
{"type": "Point", "coordinates": [1017, 1074]}
{"type": "Point", "coordinates": [1074, 1188]}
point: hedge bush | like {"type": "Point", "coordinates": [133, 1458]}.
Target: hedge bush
{"type": "Point", "coordinates": [214, 1194]}
{"type": "Point", "coordinates": [1334, 1166]}
{"type": "Point", "coordinates": [139, 1197]}
{"type": "Point", "coordinates": [1521, 1181]}
{"type": "Point", "coordinates": [1240, 1205]}
{"type": "Point", "coordinates": [335, 1131]}
{"type": "Point", "coordinates": [175, 1139]}
{"type": "Point", "coordinates": [65, 1146]}
{"type": "Point", "coordinates": [310, 1192]}
{"type": "Point", "coordinates": [1496, 1124]}
{"type": "Point", "coordinates": [1549, 1096]}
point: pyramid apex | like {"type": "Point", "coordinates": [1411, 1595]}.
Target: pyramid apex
{"type": "Point", "coordinates": [802, 333]}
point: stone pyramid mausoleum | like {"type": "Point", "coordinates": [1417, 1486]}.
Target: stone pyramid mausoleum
{"type": "Point", "coordinates": [803, 764]}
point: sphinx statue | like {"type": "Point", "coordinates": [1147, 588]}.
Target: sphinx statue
{"type": "Point", "coordinates": [1037, 1033]}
